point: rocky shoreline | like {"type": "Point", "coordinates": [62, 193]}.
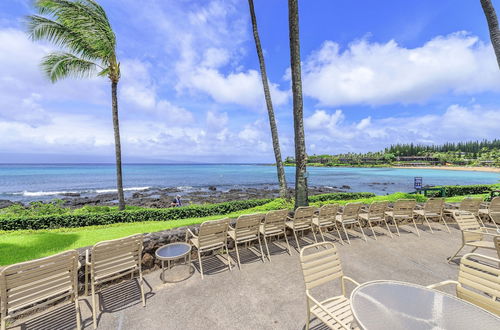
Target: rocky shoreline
{"type": "Point", "coordinates": [163, 197]}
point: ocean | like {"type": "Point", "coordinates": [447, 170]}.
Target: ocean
{"type": "Point", "coordinates": [48, 181]}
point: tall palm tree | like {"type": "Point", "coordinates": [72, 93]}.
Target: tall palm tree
{"type": "Point", "coordinates": [82, 29]}
{"type": "Point", "coordinates": [269, 103]}
{"type": "Point", "coordinates": [301, 198]}
{"type": "Point", "coordinates": [491, 18]}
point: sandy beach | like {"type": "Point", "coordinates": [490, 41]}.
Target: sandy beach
{"type": "Point", "coordinates": [455, 168]}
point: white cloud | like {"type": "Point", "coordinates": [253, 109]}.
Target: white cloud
{"type": "Point", "coordinates": [376, 73]}
{"type": "Point", "coordinates": [330, 133]}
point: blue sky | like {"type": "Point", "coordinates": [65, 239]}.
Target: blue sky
{"type": "Point", "coordinates": [374, 73]}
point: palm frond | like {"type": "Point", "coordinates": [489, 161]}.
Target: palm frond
{"type": "Point", "coordinates": [87, 31]}
{"type": "Point", "coordinates": [61, 65]}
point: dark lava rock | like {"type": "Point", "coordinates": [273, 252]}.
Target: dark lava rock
{"type": "Point", "coordinates": [71, 194]}
{"type": "Point", "coordinates": [345, 187]}
{"type": "Point", "coordinates": [212, 188]}
{"type": "Point", "coordinates": [5, 203]}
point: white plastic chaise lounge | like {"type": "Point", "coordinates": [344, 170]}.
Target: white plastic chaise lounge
{"type": "Point", "coordinates": [274, 226]}
{"type": "Point", "coordinates": [301, 221]}
{"type": "Point", "coordinates": [246, 230]}
{"type": "Point", "coordinates": [433, 209]}
{"type": "Point", "coordinates": [403, 211]}
{"type": "Point", "coordinates": [350, 216]}
{"type": "Point", "coordinates": [212, 236]}
{"type": "Point", "coordinates": [376, 214]}
{"type": "Point", "coordinates": [326, 219]}
{"type": "Point", "coordinates": [321, 265]}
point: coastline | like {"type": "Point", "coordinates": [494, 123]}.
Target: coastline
{"type": "Point", "coordinates": [454, 168]}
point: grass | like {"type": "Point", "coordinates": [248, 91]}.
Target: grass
{"type": "Point", "coordinates": [18, 246]}
{"type": "Point", "coordinates": [22, 245]}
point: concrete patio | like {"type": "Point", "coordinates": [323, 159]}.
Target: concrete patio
{"type": "Point", "coordinates": [267, 295]}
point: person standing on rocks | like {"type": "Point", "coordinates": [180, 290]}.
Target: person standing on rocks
{"type": "Point", "coordinates": [176, 202]}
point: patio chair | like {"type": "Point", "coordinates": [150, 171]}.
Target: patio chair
{"type": "Point", "coordinates": [326, 218]}
{"type": "Point", "coordinates": [492, 212]}
{"type": "Point", "coordinates": [401, 211]}
{"type": "Point", "coordinates": [350, 216]}
{"type": "Point", "coordinates": [319, 268]}
{"type": "Point", "coordinates": [301, 221]}
{"type": "Point", "coordinates": [473, 233]}
{"type": "Point", "coordinates": [28, 286]}
{"type": "Point", "coordinates": [376, 213]}
{"type": "Point", "coordinates": [110, 260]}
{"type": "Point", "coordinates": [468, 204]}
{"type": "Point", "coordinates": [274, 226]}
{"type": "Point", "coordinates": [246, 230]}
{"type": "Point", "coordinates": [478, 281]}
{"type": "Point", "coordinates": [212, 236]}
{"type": "Point", "coordinates": [496, 242]}
{"type": "Point", "coordinates": [433, 209]}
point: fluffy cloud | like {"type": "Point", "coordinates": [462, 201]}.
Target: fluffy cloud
{"type": "Point", "coordinates": [206, 44]}
{"type": "Point", "coordinates": [375, 73]}
{"type": "Point", "coordinates": [331, 133]}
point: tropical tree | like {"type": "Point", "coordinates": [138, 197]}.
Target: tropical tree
{"type": "Point", "coordinates": [269, 104]}
{"type": "Point", "coordinates": [301, 198]}
{"type": "Point", "coordinates": [82, 29]}
{"type": "Point", "coordinates": [491, 18]}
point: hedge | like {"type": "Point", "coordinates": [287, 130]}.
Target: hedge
{"type": "Point", "coordinates": [92, 219]}
{"type": "Point", "coordinates": [340, 196]}
{"type": "Point", "coordinates": [469, 190]}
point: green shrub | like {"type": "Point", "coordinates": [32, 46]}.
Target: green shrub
{"type": "Point", "coordinates": [391, 198]}
{"type": "Point", "coordinates": [469, 190]}
{"type": "Point", "coordinates": [340, 196]}
{"type": "Point", "coordinates": [106, 218]}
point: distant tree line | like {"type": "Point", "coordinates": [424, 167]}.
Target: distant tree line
{"type": "Point", "coordinates": [471, 147]}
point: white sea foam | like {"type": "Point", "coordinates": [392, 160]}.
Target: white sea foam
{"type": "Point", "coordinates": [53, 193]}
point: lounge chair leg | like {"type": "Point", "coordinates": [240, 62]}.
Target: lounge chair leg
{"type": "Point", "coordinates": [260, 247]}
{"type": "Point", "coordinates": [363, 232]}
{"type": "Point", "coordinates": [201, 265]}
{"type": "Point", "coordinates": [338, 233]}
{"type": "Point", "coordinates": [78, 315]}
{"type": "Point", "coordinates": [267, 248]}
{"type": "Point", "coordinates": [451, 258]}
{"type": "Point", "coordinates": [446, 225]}
{"type": "Point", "coordinates": [373, 231]}
{"type": "Point", "coordinates": [480, 220]}
{"type": "Point", "coordinates": [2, 324]}
{"type": "Point", "coordinates": [428, 224]}
{"type": "Point", "coordinates": [397, 227]}
{"type": "Point", "coordinates": [94, 305]}
{"type": "Point", "coordinates": [314, 235]}
{"type": "Point", "coordinates": [229, 258]}
{"type": "Point", "coordinates": [416, 228]}
{"type": "Point", "coordinates": [346, 234]}
{"type": "Point", "coordinates": [308, 319]}
{"type": "Point", "coordinates": [297, 241]}
{"type": "Point", "coordinates": [388, 229]}
{"type": "Point", "coordinates": [141, 283]}
{"type": "Point", "coordinates": [287, 244]}
{"type": "Point", "coordinates": [237, 255]}
{"type": "Point", "coordinates": [321, 233]}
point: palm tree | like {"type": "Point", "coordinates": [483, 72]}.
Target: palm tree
{"type": "Point", "coordinates": [269, 103]}
{"type": "Point", "coordinates": [82, 29]}
{"type": "Point", "coordinates": [301, 198]}
{"type": "Point", "coordinates": [491, 18]}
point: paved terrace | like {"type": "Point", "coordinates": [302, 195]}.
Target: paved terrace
{"type": "Point", "coordinates": [267, 295]}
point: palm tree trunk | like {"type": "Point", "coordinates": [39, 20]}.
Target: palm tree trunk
{"type": "Point", "coordinates": [118, 148]}
{"type": "Point", "coordinates": [491, 18]}
{"type": "Point", "coordinates": [301, 198]}
{"type": "Point", "coordinates": [269, 103]}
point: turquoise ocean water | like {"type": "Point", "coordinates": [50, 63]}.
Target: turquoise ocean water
{"type": "Point", "coordinates": [42, 182]}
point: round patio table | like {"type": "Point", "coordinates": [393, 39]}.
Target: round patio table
{"type": "Point", "coordinates": [399, 305]}
{"type": "Point", "coordinates": [172, 252]}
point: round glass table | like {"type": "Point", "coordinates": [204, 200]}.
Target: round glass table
{"type": "Point", "coordinates": [400, 305]}
{"type": "Point", "coordinates": [171, 252]}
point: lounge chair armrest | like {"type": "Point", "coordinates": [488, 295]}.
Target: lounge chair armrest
{"type": "Point", "coordinates": [437, 285]}
{"type": "Point", "coordinates": [480, 232]}
{"type": "Point", "coordinates": [418, 207]}
{"type": "Point", "coordinates": [189, 233]}
{"type": "Point", "coordinates": [87, 258]}
{"type": "Point", "coordinates": [289, 217]}
{"type": "Point", "coordinates": [318, 304]}
{"type": "Point", "coordinates": [350, 280]}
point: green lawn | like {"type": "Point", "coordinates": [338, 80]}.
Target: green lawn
{"type": "Point", "coordinates": [17, 246]}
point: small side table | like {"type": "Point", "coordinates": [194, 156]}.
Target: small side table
{"type": "Point", "coordinates": [172, 252]}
